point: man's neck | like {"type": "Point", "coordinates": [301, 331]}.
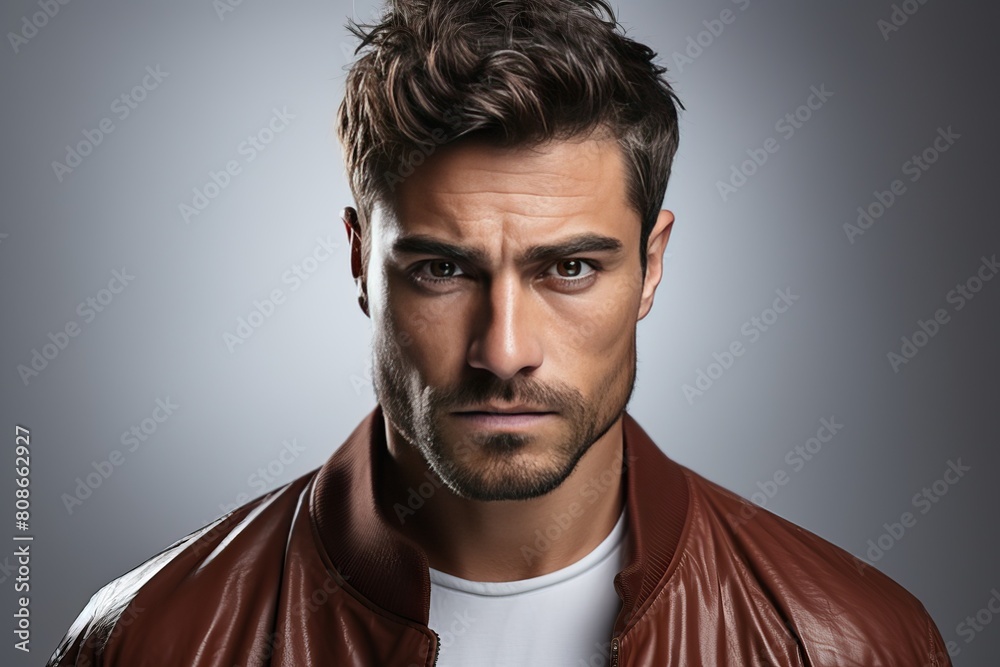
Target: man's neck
{"type": "Point", "coordinates": [506, 540]}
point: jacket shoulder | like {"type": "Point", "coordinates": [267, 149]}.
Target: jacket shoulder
{"type": "Point", "coordinates": [834, 603]}
{"type": "Point", "coordinates": [163, 590]}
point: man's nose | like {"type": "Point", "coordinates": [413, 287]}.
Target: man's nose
{"type": "Point", "coordinates": [506, 338]}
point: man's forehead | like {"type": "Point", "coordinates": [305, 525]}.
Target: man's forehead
{"type": "Point", "coordinates": [471, 188]}
{"type": "Point", "coordinates": [473, 165]}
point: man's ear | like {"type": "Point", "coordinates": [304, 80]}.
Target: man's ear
{"type": "Point", "coordinates": [354, 238]}
{"type": "Point", "coordinates": [655, 248]}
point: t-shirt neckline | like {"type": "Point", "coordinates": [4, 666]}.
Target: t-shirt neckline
{"type": "Point", "coordinates": [505, 588]}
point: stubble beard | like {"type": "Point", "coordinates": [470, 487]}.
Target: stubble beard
{"type": "Point", "coordinates": [497, 465]}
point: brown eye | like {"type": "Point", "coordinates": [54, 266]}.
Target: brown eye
{"type": "Point", "coordinates": [442, 269]}
{"type": "Point", "coordinates": [570, 268]}
{"type": "Point", "coordinates": [572, 272]}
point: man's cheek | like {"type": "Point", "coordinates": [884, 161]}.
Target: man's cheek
{"type": "Point", "coordinates": [407, 327]}
{"type": "Point", "coordinates": [435, 354]}
{"type": "Point", "coordinates": [596, 334]}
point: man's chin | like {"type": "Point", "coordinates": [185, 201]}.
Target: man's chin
{"type": "Point", "coordinates": [504, 466]}
{"type": "Point", "coordinates": [504, 487]}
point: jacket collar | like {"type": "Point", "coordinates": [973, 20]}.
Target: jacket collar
{"type": "Point", "coordinates": [391, 571]}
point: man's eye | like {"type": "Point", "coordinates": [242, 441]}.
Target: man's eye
{"type": "Point", "coordinates": [441, 269]}
{"type": "Point", "coordinates": [572, 269]}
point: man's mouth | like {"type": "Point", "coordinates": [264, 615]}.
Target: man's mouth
{"type": "Point", "coordinates": [513, 409]}
{"type": "Point", "coordinates": [512, 416]}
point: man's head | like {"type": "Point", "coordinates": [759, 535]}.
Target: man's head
{"type": "Point", "coordinates": [509, 160]}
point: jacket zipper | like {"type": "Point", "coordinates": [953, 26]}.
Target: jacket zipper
{"type": "Point", "coordinates": [437, 647]}
{"type": "Point", "coordinates": [615, 647]}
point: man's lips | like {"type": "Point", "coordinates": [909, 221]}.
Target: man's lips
{"type": "Point", "coordinates": [493, 418]}
{"type": "Point", "coordinates": [516, 409]}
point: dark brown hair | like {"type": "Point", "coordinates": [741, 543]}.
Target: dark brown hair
{"type": "Point", "coordinates": [518, 72]}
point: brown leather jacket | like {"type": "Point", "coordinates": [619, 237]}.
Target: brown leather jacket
{"type": "Point", "coordinates": [314, 573]}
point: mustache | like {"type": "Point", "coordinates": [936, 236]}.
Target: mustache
{"type": "Point", "coordinates": [486, 387]}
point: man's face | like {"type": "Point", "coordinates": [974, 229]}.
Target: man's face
{"type": "Point", "coordinates": [504, 290]}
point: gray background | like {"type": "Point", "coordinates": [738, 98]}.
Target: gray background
{"type": "Point", "coordinates": [303, 374]}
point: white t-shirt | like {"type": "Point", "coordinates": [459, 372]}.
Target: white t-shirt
{"type": "Point", "coordinates": [561, 619]}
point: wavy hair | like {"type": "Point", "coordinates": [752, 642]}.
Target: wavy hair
{"type": "Point", "coordinates": [518, 72]}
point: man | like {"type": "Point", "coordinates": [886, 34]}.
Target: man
{"type": "Point", "coordinates": [498, 506]}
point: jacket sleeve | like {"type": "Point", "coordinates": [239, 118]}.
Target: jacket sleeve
{"type": "Point", "coordinates": [83, 645]}
{"type": "Point", "coordinates": [113, 608]}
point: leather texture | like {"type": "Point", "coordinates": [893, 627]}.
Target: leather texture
{"type": "Point", "coordinates": [315, 573]}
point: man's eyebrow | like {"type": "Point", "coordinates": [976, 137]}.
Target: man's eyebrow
{"type": "Point", "coordinates": [580, 244]}
{"type": "Point", "coordinates": [576, 245]}
{"type": "Point", "coordinates": [426, 245]}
